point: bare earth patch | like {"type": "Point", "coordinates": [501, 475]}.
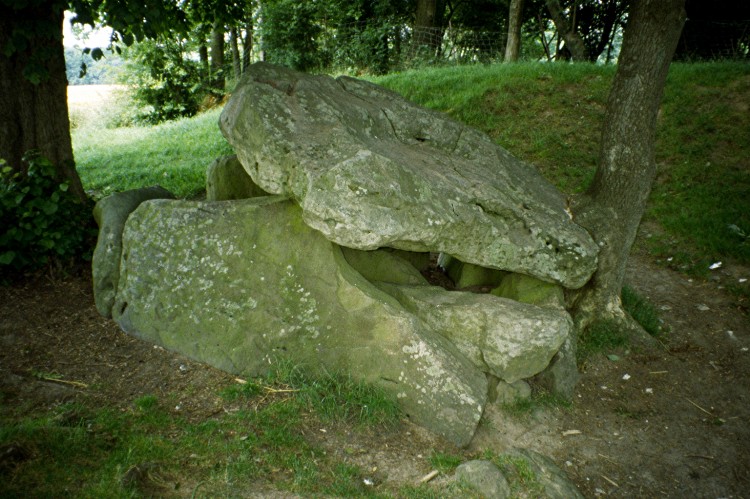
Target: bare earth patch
{"type": "Point", "coordinates": [671, 422]}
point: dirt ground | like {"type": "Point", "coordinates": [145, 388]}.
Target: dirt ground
{"type": "Point", "coordinates": [673, 421]}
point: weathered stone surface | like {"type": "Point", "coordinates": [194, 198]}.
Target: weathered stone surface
{"type": "Point", "coordinates": [370, 169]}
{"type": "Point", "coordinates": [501, 337]}
{"type": "Point", "coordinates": [420, 261]}
{"type": "Point", "coordinates": [508, 393]}
{"type": "Point", "coordinates": [484, 477]}
{"type": "Point", "coordinates": [380, 265]}
{"type": "Point", "coordinates": [527, 289]}
{"type": "Point", "coordinates": [555, 481]}
{"type": "Point", "coordinates": [561, 376]}
{"type": "Point", "coordinates": [235, 284]}
{"type": "Point", "coordinates": [466, 275]}
{"type": "Point", "coordinates": [110, 214]}
{"type": "Point", "coordinates": [227, 179]}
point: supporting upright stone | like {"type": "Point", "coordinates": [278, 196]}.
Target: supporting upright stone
{"type": "Point", "coordinates": [110, 214]}
{"type": "Point", "coordinates": [238, 284]}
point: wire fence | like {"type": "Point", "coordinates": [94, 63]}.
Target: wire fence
{"type": "Point", "coordinates": [404, 46]}
{"type": "Point", "coordinates": [713, 40]}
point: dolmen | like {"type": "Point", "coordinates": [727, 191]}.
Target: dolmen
{"type": "Point", "coordinates": [315, 239]}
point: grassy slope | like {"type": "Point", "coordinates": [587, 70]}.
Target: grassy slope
{"type": "Point", "coordinates": [548, 115]}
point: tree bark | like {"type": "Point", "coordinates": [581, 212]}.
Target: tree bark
{"type": "Point", "coordinates": [612, 207]}
{"type": "Point", "coordinates": [424, 27]}
{"type": "Point", "coordinates": [236, 60]}
{"type": "Point", "coordinates": [567, 32]}
{"type": "Point", "coordinates": [34, 115]}
{"type": "Point", "coordinates": [203, 58]}
{"type": "Point", "coordinates": [513, 46]}
{"type": "Point", "coordinates": [217, 56]}
{"type": "Point", "coordinates": [247, 46]}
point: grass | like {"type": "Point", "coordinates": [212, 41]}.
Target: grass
{"type": "Point", "coordinates": [550, 116]}
{"type": "Point", "coordinates": [600, 337]}
{"type": "Point", "coordinates": [148, 450]}
{"type": "Point", "coordinates": [523, 408]}
{"type": "Point", "coordinates": [174, 155]}
{"type": "Point", "coordinates": [642, 310]}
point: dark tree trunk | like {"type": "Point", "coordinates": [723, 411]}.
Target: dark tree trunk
{"type": "Point", "coordinates": [217, 57]}
{"type": "Point", "coordinates": [566, 30]}
{"type": "Point", "coordinates": [247, 46]}
{"type": "Point", "coordinates": [612, 207]}
{"type": "Point", "coordinates": [236, 60]}
{"type": "Point", "coordinates": [425, 34]}
{"type": "Point", "coordinates": [611, 17]}
{"type": "Point", "coordinates": [34, 115]}
{"type": "Point", "coordinates": [203, 57]}
{"type": "Point", "coordinates": [513, 46]}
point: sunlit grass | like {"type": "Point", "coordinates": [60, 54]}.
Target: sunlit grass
{"type": "Point", "coordinates": [174, 155]}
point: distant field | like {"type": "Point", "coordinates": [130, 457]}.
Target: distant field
{"type": "Point", "coordinates": [91, 94]}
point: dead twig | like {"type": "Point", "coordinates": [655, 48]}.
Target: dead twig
{"type": "Point", "coordinates": [65, 382]}
{"type": "Point", "coordinates": [609, 459]}
{"type": "Point", "coordinates": [610, 481]}
{"type": "Point", "coordinates": [429, 476]}
{"type": "Point", "coordinates": [699, 407]}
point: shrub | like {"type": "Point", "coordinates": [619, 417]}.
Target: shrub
{"type": "Point", "coordinates": [166, 84]}
{"type": "Point", "coordinates": [44, 223]}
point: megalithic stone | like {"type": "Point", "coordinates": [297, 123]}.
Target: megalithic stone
{"type": "Point", "coordinates": [370, 169]}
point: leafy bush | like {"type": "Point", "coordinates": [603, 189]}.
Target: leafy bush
{"type": "Point", "coordinates": [289, 34]}
{"type": "Point", "coordinates": [44, 223]}
{"type": "Point", "coordinates": [166, 83]}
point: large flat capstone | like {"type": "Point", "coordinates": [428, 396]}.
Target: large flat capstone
{"type": "Point", "coordinates": [238, 283]}
{"type": "Point", "coordinates": [369, 169]}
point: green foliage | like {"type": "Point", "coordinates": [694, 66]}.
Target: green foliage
{"type": "Point", "coordinates": [82, 69]}
{"type": "Point", "coordinates": [703, 149]}
{"type": "Point", "coordinates": [166, 83]}
{"type": "Point", "coordinates": [642, 310]}
{"type": "Point", "coordinates": [525, 407]}
{"type": "Point", "coordinates": [335, 397]}
{"type": "Point", "coordinates": [600, 337]}
{"type": "Point", "coordinates": [523, 481]}
{"type": "Point", "coordinates": [289, 34]}
{"type": "Point", "coordinates": [43, 222]}
{"type": "Point", "coordinates": [445, 463]}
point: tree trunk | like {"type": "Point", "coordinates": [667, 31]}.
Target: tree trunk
{"type": "Point", "coordinates": [247, 46]}
{"type": "Point", "coordinates": [34, 115]}
{"type": "Point", "coordinates": [612, 207]}
{"type": "Point", "coordinates": [217, 57]}
{"type": "Point", "coordinates": [203, 58]}
{"type": "Point", "coordinates": [513, 46]}
{"type": "Point", "coordinates": [567, 32]}
{"type": "Point", "coordinates": [424, 27]}
{"type": "Point", "coordinates": [236, 60]}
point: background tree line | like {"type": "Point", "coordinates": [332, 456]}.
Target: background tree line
{"type": "Point", "coordinates": [177, 70]}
